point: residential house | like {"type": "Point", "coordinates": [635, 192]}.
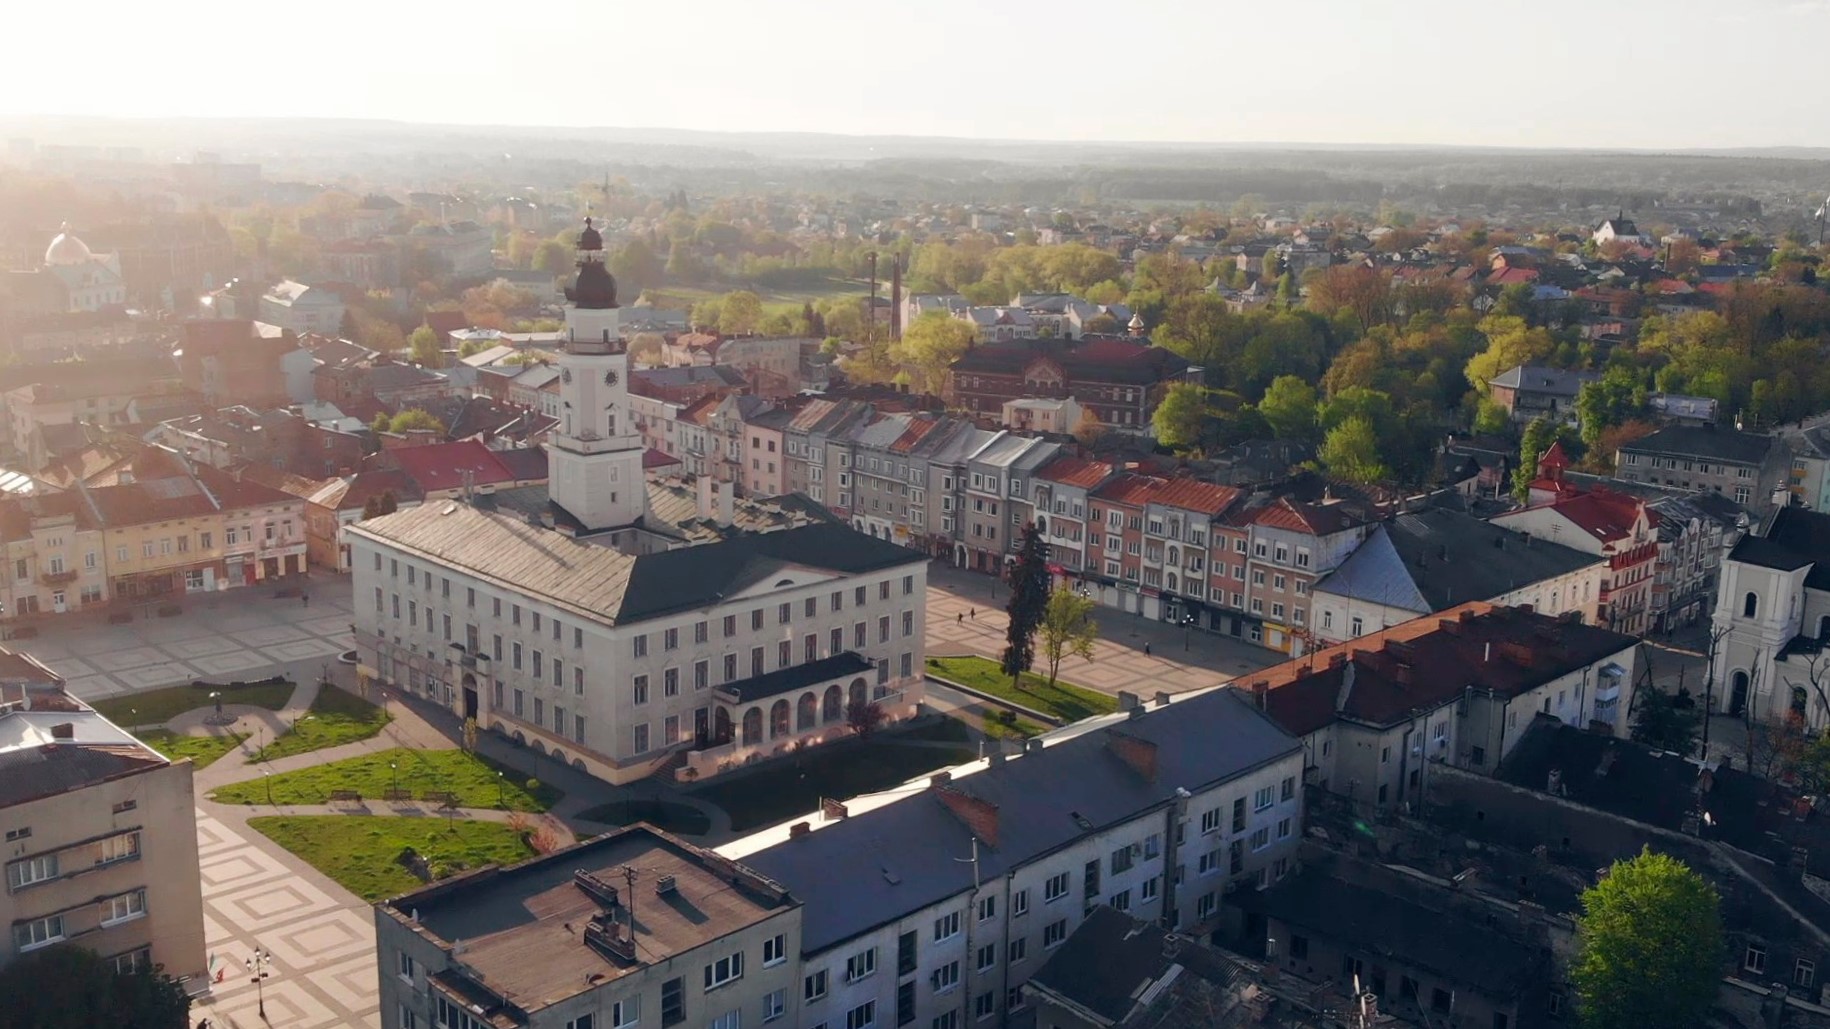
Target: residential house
{"type": "Point", "coordinates": [440, 471]}
{"type": "Point", "coordinates": [686, 384]}
{"type": "Point", "coordinates": [1618, 526]}
{"type": "Point", "coordinates": [235, 361]}
{"type": "Point", "coordinates": [101, 838]}
{"type": "Point", "coordinates": [343, 501]}
{"type": "Point", "coordinates": [277, 439]}
{"type": "Point", "coordinates": [95, 393]}
{"type": "Point", "coordinates": [1118, 381]}
{"type": "Point", "coordinates": [1062, 490]}
{"type": "Point", "coordinates": [1060, 416]}
{"type": "Point", "coordinates": [299, 308]}
{"type": "Point", "coordinates": [1429, 561]}
{"type": "Point", "coordinates": [1530, 392]}
{"type": "Point", "coordinates": [1752, 469]}
{"type": "Point", "coordinates": [1456, 688]}
{"type": "Point", "coordinates": [1289, 545]}
{"type": "Point", "coordinates": [764, 458]}
{"type": "Point", "coordinates": [997, 500]}
{"type": "Point", "coordinates": [54, 555]}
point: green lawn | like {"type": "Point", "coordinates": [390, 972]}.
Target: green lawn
{"type": "Point", "coordinates": [789, 786]}
{"type": "Point", "coordinates": [361, 851]}
{"type": "Point", "coordinates": [156, 707]}
{"type": "Point", "coordinates": [471, 778]}
{"type": "Point", "coordinates": [1065, 701]}
{"type": "Point", "coordinates": [202, 750]}
{"type": "Point", "coordinates": [674, 818]}
{"type": "Point", "coordinates": [335, 718]}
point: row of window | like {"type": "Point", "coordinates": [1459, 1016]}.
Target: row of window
{"type": "Point", "coordinates": [42, 932]}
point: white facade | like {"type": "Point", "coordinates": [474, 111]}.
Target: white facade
{"type": "Point", "coordinates": [973, 951]}
{"type": "Point", "coordinates": [596, 454]}
{"type": "Point", "coordinates": [618, 700]}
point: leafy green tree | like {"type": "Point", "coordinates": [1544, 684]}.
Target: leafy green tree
{"type": "Point", "coordinates": [1510, 342]}
{"type": "Point", "coordinates": [66, 986]}
{"type": "Point", "coordinates": [1666, 721]}
{"type": "Point", "coordinates": [636, 267]}
{"type": "Point", "coordinates": [425, 347]}
{"type": "Point", "coordinates": [1374, 406]}
{"type": "Point", "coordinates": [1178, 419]}
{"type": "Point", "coordinates": [739, 312]}
{"type": "Point", "coordinates": [1490, 418]}
{"type": "Point", "coordinates": [415, 418]}
{"type": "Point", "coordinates": [1028, 580]}
{"type": "Point", "coordinates": [1289, 405]}
{"type": "Point", "coordinates": [1616, 398]}
{"type": "Point", "coordinates": [1270, 266]}
{"type": "Point", "coordinates": [929, 347]}
{"type": "Point", "coordinates": [1067, 628]}
{"type": "Point", "coordinates": [1649, 946]}
{"type": "Point", "coordinates": [552, 256]}
{"type": "Point", "coordinates": [1351, 451]}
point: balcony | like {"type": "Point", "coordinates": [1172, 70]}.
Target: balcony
{"type": "Point", "coordinates": [62, 578]}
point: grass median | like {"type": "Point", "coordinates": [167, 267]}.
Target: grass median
{"type": "Point", "coordinates": [1063, 700]}
{"type": "Point", "coordinates": [156, 707]}
{"type": "Point", "coordinates": [202, 750]}
{"type": "Point", "coordinates": [335, 718]}
{"type": "Point", "coordinates": [473, 781]}
{"type": "Point", "coordinates": [362, 852]}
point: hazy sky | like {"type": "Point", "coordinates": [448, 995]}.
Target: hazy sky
{"type": "Point", "coordinates": [1593, 73]}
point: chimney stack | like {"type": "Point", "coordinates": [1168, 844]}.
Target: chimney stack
{"type": "Point", "coordinates": [1139, 755]}
{"type": "Point", "coordinates": [979, 816]}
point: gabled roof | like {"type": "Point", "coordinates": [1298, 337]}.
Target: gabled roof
{"type": "Point", "coordinates": [442, 466]}
{"type": "Point", "coordinates": [1075, 471]}
{"type": "Point", "coordinates": [1434, 559]}
{"type": "Point", "coordinates": [1194, 495]}
{"type": "Point", "coordinates": [902, 855]}
{"type": "Point", "coordinates": [1312, 519]}
{"type": "Point", "coordinates": [1538, 379]}
{"type": "Point", "coordinates": [1602, 514]}
{"type": "Point", "coordinates": [1423, 663]}
{"type": "Point", "coordinates": [1796, 538]}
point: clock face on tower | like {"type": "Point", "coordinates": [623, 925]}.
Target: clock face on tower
{"type": "Point", "coordinates": [565, 376]}
{"type": "Point", "coordinates": [610, 377]}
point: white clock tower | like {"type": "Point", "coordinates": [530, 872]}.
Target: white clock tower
{"type": "Point", "coordinates": [595, 458]}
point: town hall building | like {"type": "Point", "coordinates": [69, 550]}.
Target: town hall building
{"type": "Point", "coordinates": [582, 624]}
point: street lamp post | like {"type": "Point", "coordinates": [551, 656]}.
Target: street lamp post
{"type": "Point", "coordinates": [1188, 622]}
{"type": "Point", "coordinates": [217, 697]}
{"type": "Point", "coordinates": [501, 797]}
{"type": "Point", "coordinates": [257, 970]}
{"type": "Point", "coordinates": [394, 769]}
{"type": "Point", "coordinates": [267, 777]}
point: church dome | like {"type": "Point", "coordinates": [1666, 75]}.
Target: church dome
{"type": "Point", "coordinates": [596, 287]}
{"type": "Point", "coordinates": [590, 239]}
{"type": "Point", "coordinates": [66, 249]}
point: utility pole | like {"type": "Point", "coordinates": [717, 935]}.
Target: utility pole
{"type": "Point", "coordinates": [870, 313]}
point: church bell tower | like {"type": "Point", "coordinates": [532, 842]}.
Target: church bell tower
{"type": "Point", "coordinates": [595, 458]}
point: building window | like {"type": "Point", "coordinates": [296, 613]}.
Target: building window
{"type": "Point", "coordinates": [774, 950]}
{"type": "Point", "coordinates": [724, 970]}
{"type": "Point", "coordinates": [1054, 933]}
{"type": "Point", "coordinates": [946, 977]}
{"type": "Point", "coordinates": [773, 1005]}
{"type": "Point", "coordinates": [39, 932]}
{"type": "Point", "coordinates": [1755, 959]}
{"type": "Point", "coordinates": [1055, 888]}
{"type": "Point", "coordinates": [1804, 973]}
{"type": "Point", "coordinates": [1019, 903]}
{"type": "Point", "coordinates": [24, 873]}
{"type": "Point", "coordinates": [1019, 949]}
{"type": "Point", "coordinates": [673, 1001]}
{"type": "Point", "coordinates": [1750, 604]}
{"type": "Point", "coordinates": [814, 986]}
{"type": "Point", "coordinates": [946, 926]}
{"type": "Point", "coordinates": [861, 965]}
{"type": "Point", "coordinates": [862, 1016]}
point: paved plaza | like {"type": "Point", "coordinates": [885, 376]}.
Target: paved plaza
{"type": "Point", "coordinates": [243, 634]}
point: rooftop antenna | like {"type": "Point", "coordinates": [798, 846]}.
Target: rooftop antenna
{"type": "Point", "coordinates": [629, 880]}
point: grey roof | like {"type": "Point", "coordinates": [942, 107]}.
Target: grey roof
{"type": "Point", "coordinates": [604, 584]}
{"type": "Point", "coordinates": [1706, 441]}
{"type": "Point", "coordinates": [797, 677]}
{"type": "Point", "coordinates": [1536, 379]}
{"type": "Point", "coordinates": [1377, 921]}
{"type": "Point", "coordinates": [1111, 961]}
{"type": "Point", "coordinates": [776, 418]}
{"type": "Point", "coordinates": [908, 854]}
{"type": "Point", "coordinates": [1795, 538]}
{"type": "Point", "coordinates": [1434, 559]}
{"type": "Point", "coordinates": [1001, 452]}
{"type": "Point", "coordinates": [30, 773]}
{"type": "Point", "coordinates": [688, 376]}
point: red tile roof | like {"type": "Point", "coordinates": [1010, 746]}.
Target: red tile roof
{"type": "Point", "coordinates": [441, 466]}
{"type": "Point", "coordinates": [1427, 662]}
{"type": "Point", "coordinates": [652, 458]}
{"type": "Point", "coordinates": [1074, 471]}
{"type": "Point", "coordinates": [1128, 489]}
{"type": "Point", "coordinates": [1512, 276]}
{"type": "Point", "coordinates": [1195, 495]}
{"type": "Point", "coordinates": [1604, 515]}
{"type": "Point", "coordinates": [1314, 519]}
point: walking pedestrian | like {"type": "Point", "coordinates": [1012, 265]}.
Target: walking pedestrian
{"type": "Point", "coordinates": [306, 597]}
{"type": "Point", "coordinates": [973, 613]}
{"type": "Point", "coordinates": [1146, 650]}
{"type": "Point", "coordinates": [959, 617]}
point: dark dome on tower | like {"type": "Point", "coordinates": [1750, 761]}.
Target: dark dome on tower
{"type": "Point", "coordinates": [596, 287]}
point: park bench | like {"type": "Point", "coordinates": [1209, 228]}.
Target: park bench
{"type": "Point", "coordinates": [397, 796]}
{"type": "Point", "coordinates": [443, 798]}
{"type": "Point", "coordinates": [345, 797]}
